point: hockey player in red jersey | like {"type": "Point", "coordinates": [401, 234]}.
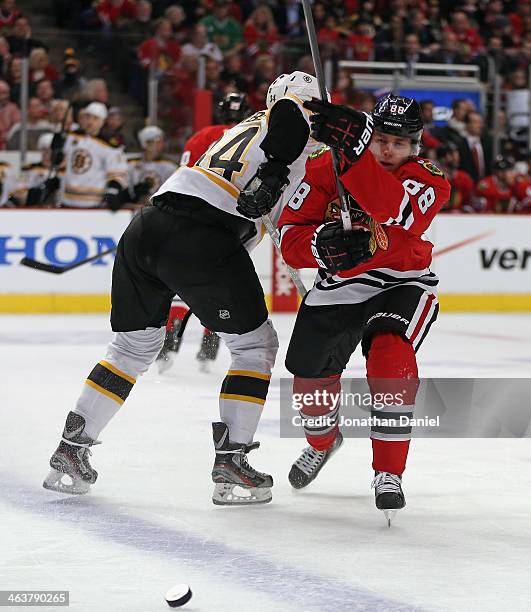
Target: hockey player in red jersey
{"type": "Point", "coordinates": [460, 181]}
{"type": "Point", "coordinates": [231, 110]}
{"type": "Point", "coordinates": [504, 191]}
{"type": "Point", "coordinates": [374, 284]}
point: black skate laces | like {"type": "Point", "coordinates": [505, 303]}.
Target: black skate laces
{"type": "Point", "coordinates": [385, 482]}
{"type": "Point", "coordinates": [310, 460]}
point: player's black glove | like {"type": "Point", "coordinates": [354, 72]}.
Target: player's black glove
{"type": "Point", "coordinates": [262, 192]}
{"type": "Point", "coordinates": [143, 189]}
{"type": "Point", "coordinates": [114, 196]}
{"type": "Point", "coordinates": [39, 195]}
{"type": "Point", "coordinates": [341, 127]}
{"type": "Point", "coordinates": [336, 249]}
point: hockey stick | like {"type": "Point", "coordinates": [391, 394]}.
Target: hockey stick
{"type": "Point", "coordinates": [53, 269]}
{"type": "Point", "coordinates": [274, 235]}
{"type": "Point", "coordinates": [316, 57]}
{"type": "Point", "coordinates": [53, 166]}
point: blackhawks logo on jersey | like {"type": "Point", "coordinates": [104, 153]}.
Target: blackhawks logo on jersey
{"type": "Point", "coordinates": [430, 167]}
{"type": "Point", "coordinates": [360, 219]}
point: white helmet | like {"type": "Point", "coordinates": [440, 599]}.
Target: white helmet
{"type": "Point", "coordinates": [150, 132]}
{"type": "Point", "coordinates": [300, 84]}
{"type": "Point", "coordinates": [97, 109]}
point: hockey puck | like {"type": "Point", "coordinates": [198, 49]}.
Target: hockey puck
{"type": "Point", "coordinates": [178, 595]}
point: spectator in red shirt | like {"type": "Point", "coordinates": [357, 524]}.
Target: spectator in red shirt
{"type": "Point", "coordinates": [523, 10]}
{"type": "Point", "coordinates": [344, 91]}
{"type": "Point", "coordinates": [40, 68]}
{"type": "Point", "coordinates": [461, 182]}
{"type": "Point", "coordinates": [429, 141]}
{"type": "Point", "coordinates": [45, 92]}
{"type": "Point", "coordinates": [8, 13]}
{"type": "Point", "coordinates": [360, 45]}
{"type": "Point", "coordinates": [260, 32]}
{"type": "Point", "coordinates": [162, 50]}
{"type": "Point", "coordinates": [5, 57]}
{"type": "Point", "coordinates": [9, 113]}
{"type": "Point", "coordinates": [111, 12]}
{"type": "Point", "coordinates": [469, 38]}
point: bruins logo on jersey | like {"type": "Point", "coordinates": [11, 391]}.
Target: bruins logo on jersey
{"type": "Point", "coordinates": [360, 219]}
{"type": "Point", "coordinates": [81, 161]}
{"type": "Point", "coordinates": [430, 167]}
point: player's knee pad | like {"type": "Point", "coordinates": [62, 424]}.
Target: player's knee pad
{"type": "Point", "coordinates": [134, 351]}
{"type": "Point", "coordinates": [255, 350]}
{"type": "Point", "coordinates": [391, 357]}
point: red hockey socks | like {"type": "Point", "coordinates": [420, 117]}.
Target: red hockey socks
{"type": "Point", "coordinates": [177, 311]}
{"type": "Point", "coordinates": [318, 400]}
{"type": "Point", "coordinates": [393, 379]}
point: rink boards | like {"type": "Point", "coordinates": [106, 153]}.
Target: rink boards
{"type": "Point", "coordinates": [483, 261]}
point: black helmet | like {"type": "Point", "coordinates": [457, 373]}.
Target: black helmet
{"type": "Point", "coordinates": [399, 116]}
{"type": "Point", "coordinates": [233, 108]}
{"type": "Point", "coordinates": [503, 163]}
{"type": "Point", "coordinates": [444, 149]}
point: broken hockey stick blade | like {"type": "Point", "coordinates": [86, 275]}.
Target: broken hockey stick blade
{"type": "Point", "coordinates": [53, 269]}
{"type": "Point", "coordinates": [275, 238]}
{"type": "Point", "coordinates": [316, 57]}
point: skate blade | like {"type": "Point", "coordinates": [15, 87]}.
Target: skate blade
{"type": "Point", "coordinates": [225, 495]}
{"type": "Point", "coordinates": [164, 364]}
{"type": "Point", "coordinates": [54, 482]}
{"type": "Point", "coordinates": [204, 367]}
{"type": "Point", "coordinates": [389, 516]}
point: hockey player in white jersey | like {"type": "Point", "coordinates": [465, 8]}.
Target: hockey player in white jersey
{"type": "Point", "coordinates": [148, 171]}
{"type": "Point", "coordinates": [194, 241]}
{"type": "Point", "coordinates": [95, 169]}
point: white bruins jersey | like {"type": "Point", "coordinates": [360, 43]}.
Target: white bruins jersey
{"type": "Point", "coordinates": [158, 171]}
{"type": "Point", "coordinates": [230, 163]}
{"type": "Point", "coordinates": [8, 182]}
{"type": "Point", "coordinates": [90, 164]}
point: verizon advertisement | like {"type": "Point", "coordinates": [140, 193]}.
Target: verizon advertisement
{"type": "Point", "coordinates": [482, 253]}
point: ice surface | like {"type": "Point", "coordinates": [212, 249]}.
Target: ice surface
{"type": "Point", "coordinates": [462, 543]}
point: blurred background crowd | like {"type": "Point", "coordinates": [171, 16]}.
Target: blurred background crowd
{"type": "Point", "coordinates": [81, 51]}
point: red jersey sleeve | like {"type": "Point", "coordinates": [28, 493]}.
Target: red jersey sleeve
{"type": "Point", "coordinates": [305, 211]}
{"type": "Point", "coordinates": [197, 144]}
{"type": "Point", "coordinates": [409, 196]}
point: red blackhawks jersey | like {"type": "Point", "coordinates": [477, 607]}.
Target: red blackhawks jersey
{"type": "Point", "coordinates": [493, 196]}
{"type": "Point", "coordinates": [397, 207]}
{"type": "Point", "coordinates": [197, 144]}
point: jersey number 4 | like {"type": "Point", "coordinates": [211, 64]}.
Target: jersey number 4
{"type": "Point", "coordinates": [226, 157]}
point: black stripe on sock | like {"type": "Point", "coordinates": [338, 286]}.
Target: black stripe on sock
{"type": "Point", "coordinates": [110, 381]}
{"type": "Point", "coordinates": [245, 385]}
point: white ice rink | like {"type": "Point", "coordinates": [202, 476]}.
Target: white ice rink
{"type": "Point", "coordinates": [462, 543]}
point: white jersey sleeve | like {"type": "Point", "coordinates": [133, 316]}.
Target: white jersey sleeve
{"type": "Point", "coordinates": [231, 162]}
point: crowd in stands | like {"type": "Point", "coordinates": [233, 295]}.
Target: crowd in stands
{"type": "Point", "coordinates": [246, 44]}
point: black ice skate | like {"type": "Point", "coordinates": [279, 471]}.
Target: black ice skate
{"type": "Point", "coordinates": [231, 471]}
{"type": "Point", "coordinates": [208, 351]}
{"type": "Point", "coordinates": [71, 459]}
{"type": "Point", "coordinates": [310, 463]}
{"type": "Point", "coordinates": [165, 358]}
{"type": "Point", "coordinates": [388, 494]}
